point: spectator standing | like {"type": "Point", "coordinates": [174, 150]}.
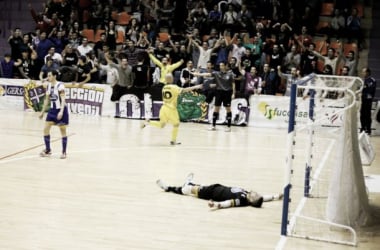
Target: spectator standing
{"type": "Point", "coordinates": [252, 82]}
{"type": "Point", "coordinates": [289, 78]}
{"type": "Point", "coordinates": [125, 83]}
{"type": "Point", "coordinates": [270, 80]}
{"type": "Point", "coordinates": [84, 48]}
{"type": "Point", "coordinates": [30, 64]}
{"type": "Point", "coordinates": [204, 54]}
{"type": "Point", "coordinates": [69, 56]}
{"type": "Point", "coordinates": [237, 50]}
{"type": "Point", "coordinates": [83, 71]}
{"type": "Point", "coordinates": [57, 57]}
{"type": "Point", "coordinates": [111, 35]}
{"type": "Point", "coordinates": [165, 67]}
{"type": "Point", "coordinates": [292, 59]}
{"type": "Point", "coordinates": [331, 59]}
{"type": "Point", "coordinates": [214, 18]}
{"type": "Point", "coordinates": [133, 31]}
{"type": "Point", "coordinates": [141, 73]}
{"type": "Point", "coordinates": [309, 60]}
{"type": "Point", "coordinates": [8, 65]}
{"type": "Point", "coordinates": [15, 40]}
{"type": "Point", "coordinates": [187, 79]}
{"type": "Point", "coordinates": [49, 66]}
{"type": "Point", "coordinates": [74, 40]}
{"type": "Point", "coordinates": [351, 61]}
{"type": "Point", "coordinates": [353, 26]}
{"type": "Point", "coordinates": [43, 47]}
{"type": "Point", "coordinates": [59, 40]}
{"type": "Point", "coordinates": [132, 52]}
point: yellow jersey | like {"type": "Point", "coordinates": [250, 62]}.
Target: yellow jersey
{"type": "Point", "coordinates": [170, 93]}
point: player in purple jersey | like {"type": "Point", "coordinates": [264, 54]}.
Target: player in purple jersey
{"type": "Point", "coordinates": [220, 196]}
{"type": "Point", "coordinates": [57, 114]}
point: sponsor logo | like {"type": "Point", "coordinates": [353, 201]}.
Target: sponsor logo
{"type": "Point", "coordinates": [2, 91]}
{"type": "Point", "coordinates": [271, 113]}
{"type": "Point", "coordinates": [15, 90]}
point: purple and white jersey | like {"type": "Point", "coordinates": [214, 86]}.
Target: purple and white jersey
{"type": "Point", "coordinates": [53, 92]}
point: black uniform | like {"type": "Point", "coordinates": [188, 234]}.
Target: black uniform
{"type": "Point", "coordinates": [224, 83]}
{"type": "Point", "coordinates": [218, 192]}
{"type": "Point", "coordinates": [368, 94]}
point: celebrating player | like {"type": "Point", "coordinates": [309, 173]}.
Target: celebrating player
{"type": "Point", "coordinates": [168, 111]}
{"type": "Point", "coordinates": [57, 114]}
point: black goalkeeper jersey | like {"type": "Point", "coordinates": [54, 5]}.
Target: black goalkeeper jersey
{"type": "Point", "coordinates": [218, 192]}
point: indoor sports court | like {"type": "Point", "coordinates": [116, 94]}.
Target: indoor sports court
{"type": "Point", "coordinates": [104, 195]}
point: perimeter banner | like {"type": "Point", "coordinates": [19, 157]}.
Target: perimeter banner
{"type": "Point", "coordinates": [89, 99]}
{"type": "Point", "coordinates": [273, 111]}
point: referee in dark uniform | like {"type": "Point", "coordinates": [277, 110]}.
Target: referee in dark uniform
{"type": "Point", "coordinates": [225, 92]}
{"type": "Point", "coordinates": [368, 93]}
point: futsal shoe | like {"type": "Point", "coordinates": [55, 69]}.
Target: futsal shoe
{"type": "Point", "coordinates": [212, 128]}
{"type": "Point", "coordinates": [143, 124]}
{"type": "Point", "coordinates": [173, 143]}
{"type": "Point", "coordinates": [45, 153]}
{"type": "Point", "coordinates": [189, 179]}
{"type": "Point", "coordinates": [227, 129]}
{"type": "Point", "coordinates": [63, 156]}
{"type": "Point", "coordinates": [162, 185]}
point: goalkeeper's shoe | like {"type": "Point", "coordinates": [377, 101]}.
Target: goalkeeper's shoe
{"type": "Point", "coordinates": [162, 185]}
{"type": "Point", "coordinates": [189, 180]}
{"type": "Point", "coordinates": [45, 153]}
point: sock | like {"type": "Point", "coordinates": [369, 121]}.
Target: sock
{"type": "Point", "coordinates": [174, 133]}
{"type": "Point", "coordinates": [47, 143]}
{"type": "Point", "coordinates": [214, 118]}
{"type": "Point", "coordinates": [186, 190]}
{"type": "Point", "coordinates": [64, 144]}
{"type": "Point", "coordinates": [229, 116]}
{"type": "Point", "coordinates": [117, 106]}
{"type": "Point", "coordinates": [177, 190]}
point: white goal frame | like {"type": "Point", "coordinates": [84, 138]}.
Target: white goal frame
{"type": "Point", "coordinates": [288, 225]}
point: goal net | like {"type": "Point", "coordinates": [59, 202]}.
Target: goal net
{"type": "Point", "coordinates": [324, 192]}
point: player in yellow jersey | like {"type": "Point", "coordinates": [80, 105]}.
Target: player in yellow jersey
{"type": "Point", "coordinates": [168, 111]}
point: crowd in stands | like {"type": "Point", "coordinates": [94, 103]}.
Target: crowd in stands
{"type": "Point", "coordinates": [260, 40]}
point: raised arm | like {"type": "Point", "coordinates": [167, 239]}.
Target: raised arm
{"type": "Point", "coordinates": [154, 59]}
{"type": "Point", "coordinates": [279, 72]}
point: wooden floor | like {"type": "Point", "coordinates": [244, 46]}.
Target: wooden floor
{"type": "Point", "coordinates": [104, 196]}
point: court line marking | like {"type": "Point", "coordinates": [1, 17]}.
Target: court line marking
{"type": "Point", "coordinates": [161, 146]}
{"type": "Point", "coordinates": [30, 148]}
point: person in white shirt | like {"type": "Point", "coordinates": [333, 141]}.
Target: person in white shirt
{"type": "Point", "coordinates": [56, 57]}
{"type": "Point", "coordinates": [186, 78]}
{"type": "Point", "coordinates": [84, 48]}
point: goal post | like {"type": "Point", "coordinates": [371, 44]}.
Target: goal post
{"type": "Point", "coordinates": [346, 206]}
